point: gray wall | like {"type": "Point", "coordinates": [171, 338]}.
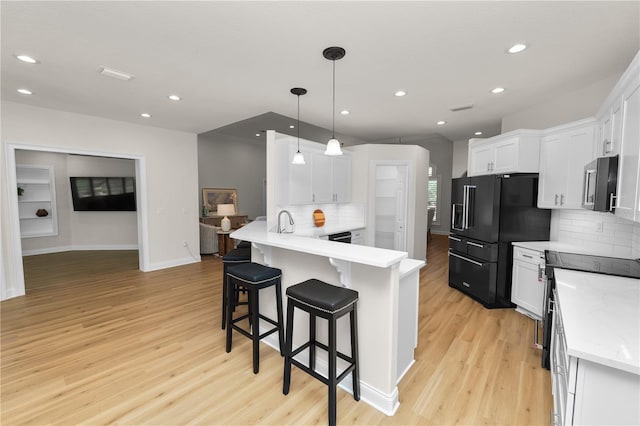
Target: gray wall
{"type": "Point", "coordinates": [460, 155]}
{"type": "Point", "coordinates": [230, 162]}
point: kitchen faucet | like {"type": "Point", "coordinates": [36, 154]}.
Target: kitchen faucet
{"type": "Point", "coordinates": [281, 230]}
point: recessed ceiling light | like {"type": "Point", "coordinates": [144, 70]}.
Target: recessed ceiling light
{"type": "Point", "coordinates": [257, 134]}
{"type": "Point", "coordinates": [400, 93]}
{"type": "Point", "coordinates": [26, 58]}
{"type": "Point", "coordinates": [517, 48]}
{"type": "Point", "coordinates": [441, 122]}
{"type": "Point", "coordinates": [175, 97]}
{"type": "Point", "coordinates": [25, 92]}
{"type": "Point", "coordinates": [344, 112]}
{"type": "Point", "coordinates": [291, 126]}
{"type": "Point", "coordinates": [498, 90]}
{"type": "Point", "coordinates": [477, 133]}
{"type": "Point", "coordinates": [145, 115]}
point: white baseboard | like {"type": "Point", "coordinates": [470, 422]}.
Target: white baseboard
{"type": "Point", "coordinates": [172, 263]}
{"type": "Point", "coordinates": [383, 402]}
{"type": "Point", "coordinates": [60, 249]}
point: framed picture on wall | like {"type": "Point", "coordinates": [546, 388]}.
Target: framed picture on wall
{"type": "Point", "coordinates": [211, 197]}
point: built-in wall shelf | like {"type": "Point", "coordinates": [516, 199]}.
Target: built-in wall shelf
{"type": "Point", "coordinates": [38, 184]}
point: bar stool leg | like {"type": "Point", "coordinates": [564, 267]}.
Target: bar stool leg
{"type": "Point", "coordinates": [312, 341]}
{"type": "Point", "coordinates": [225, 280]}
{"type": "Point", "coordinates": [255, 328]}
{"type": "Point", "coordinates": [229, 317]}
{"type": "Point", "coordinates": [355, 374]}
{"type": "Point", "coordinates": [280, 319]}
{"type": "Point", "coordinates": [333, 384]}
{"type": "Point", "coordinates": [288, 349]}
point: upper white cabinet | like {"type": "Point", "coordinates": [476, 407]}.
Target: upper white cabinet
{"type": "Point", "coordinates": [322, 180]}
{"type": "Point", "coordinates": [513, 152]}
{"type": "Point", "coordinates": [564, 152]}
{"type": "Point", "coordinates": [628, 191]}
{"type": "Point", "coordinates": [37, 202]}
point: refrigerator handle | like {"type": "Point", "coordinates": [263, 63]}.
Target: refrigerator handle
{"type": "Point", "coordinates": [466, 207]}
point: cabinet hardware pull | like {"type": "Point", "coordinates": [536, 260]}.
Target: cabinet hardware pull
{"type": "Point", "coordinates": [454, 238]}
{"type": "Point", "coordinates": [527, 256]}
{"type": "Point", "coordinates": [474, 244]}
{"type": "Point", "coordinates": [465, 259]}
{"type": "Point", "coordinates": [561, 199]}
{"type": "Point", "coordinates": [556, 201]}
{"type": "Point", "coordinates": [466, 284]}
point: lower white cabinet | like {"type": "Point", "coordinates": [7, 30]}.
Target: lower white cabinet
{"type": "Point", "coordinates": [36, 200]}
{"type": "Point", "coordinates": [586, 392]}
{"type": "Point", "coordinates": [358, 237]}
{"type": "Point", "coordinates": [527, 288]}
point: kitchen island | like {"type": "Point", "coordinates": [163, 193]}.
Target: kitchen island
{"type": "Point", "coordinates": [388, 286]}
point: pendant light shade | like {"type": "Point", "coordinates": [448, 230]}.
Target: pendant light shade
{"type": "Point", "coordinates": [298, 158]}
{"type": "Point", "coordinates": [333, 54]}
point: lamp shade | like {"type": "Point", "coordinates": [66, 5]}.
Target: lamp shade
{"type": "Point", "coordinates": [226, 210]}
{"type": "Point", "coordinates": [298, 158]}
{"type": "Point", "coordinates": [333, 147]}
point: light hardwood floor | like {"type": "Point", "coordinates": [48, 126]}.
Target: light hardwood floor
{"type": "Point", "coordinates": [95, 341]}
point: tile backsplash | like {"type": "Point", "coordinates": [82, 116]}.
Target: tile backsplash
{"type": "Point", "coordinates": [602, 232]}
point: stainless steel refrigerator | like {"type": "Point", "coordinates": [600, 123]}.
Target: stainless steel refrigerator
{"type": "Point", "coordinates": [489, 213]}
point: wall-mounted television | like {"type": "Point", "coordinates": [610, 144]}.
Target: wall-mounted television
{"type": "Point", "coordinates": [103, 193]}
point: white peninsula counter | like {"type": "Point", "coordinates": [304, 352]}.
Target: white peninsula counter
{"type": "Point", "coordinates": [387, 283]}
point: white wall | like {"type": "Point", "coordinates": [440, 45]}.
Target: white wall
{"type": "Point", "coordinates": [227, 162]}
{"type": "Point", "coordinates": [168, 167]}
{"type": "Point", "coordinates": [418, 157]}
{"type": "Point", "coordinates": [101, 230]}
{"type": "Point", "coordinates": [460, 158]}
{"type": "Point", "coordinates": [558, 110]}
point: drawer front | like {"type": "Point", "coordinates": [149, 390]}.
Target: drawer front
{"type": "Point", "coordinates": [472, 277]}
{"type": "Point", "coordinates": [527, 255]}
{"type": "Point", "coordinates": [458, 243]}
{"type": "Point", "coordinates": [484, 251]}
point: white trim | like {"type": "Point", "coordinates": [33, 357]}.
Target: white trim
{"type": "Point", "coordinates": [15, 244]}
{"type": "Point", "coordinates": [60, 249]}
{"type": "Point", "coordinates": [173, 263]}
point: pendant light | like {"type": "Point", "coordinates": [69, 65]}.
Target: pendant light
{"type": "Point", "coordinates": [333, 54]}
{"type": "Point", "coordinates": [298, 158]}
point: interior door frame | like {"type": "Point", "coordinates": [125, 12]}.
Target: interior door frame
{"type": "Point", "coordinates": [10, 290]}
{"type": "Point", "coordinates": [408, 237]}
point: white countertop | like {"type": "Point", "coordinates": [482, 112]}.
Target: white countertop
{"type": "Point", "coordinates": [327, 230]}
{"type": "Point", "coordinates": [256, 232]}
{"type": "Point", "coordinates": [561, 247]}
{"type": "Point", "coordinates": [601, 318]}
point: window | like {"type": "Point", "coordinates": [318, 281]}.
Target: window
{"type": "Point", "coordinates": [433, 194]}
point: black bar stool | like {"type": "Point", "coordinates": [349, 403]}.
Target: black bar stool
{"type": "Point", "coordinates": [327, 301]}
{"type": "Point", "coordinates": [235, 256]}
{"type": "Point", "coordinates": [254, 277]}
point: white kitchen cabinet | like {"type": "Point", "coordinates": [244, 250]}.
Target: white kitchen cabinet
{"type": "Point", "coordinates": [321, 180]}
{"type": "Point", "coordinates": [527, 290]}
{"type": "Point", "coordinates": [564, 152]}
{"type": "Point", "coordinates": [513, 152]}
{"type": "Point", "coordinates": [38, 183]}
{"type": "Point", "coordinates": [358, 236]}
{"type": "Point", "coordinates": [331, 178]}
{"type": "Point", "coordinates": [628, 191]}
{"type": "Point", "coordinates": [586, 392]}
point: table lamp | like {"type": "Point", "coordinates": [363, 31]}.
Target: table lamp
{"type": "Point", "coordinates": [226, 210]}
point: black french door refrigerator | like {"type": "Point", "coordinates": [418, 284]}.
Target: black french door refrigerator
{"type": "Point", "coordinates": [488, 213]}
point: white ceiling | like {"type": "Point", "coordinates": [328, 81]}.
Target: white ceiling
{"type": "Point", "coordinates": [234, 60]}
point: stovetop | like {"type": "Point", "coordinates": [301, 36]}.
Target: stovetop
{"type": "Point", "coordinates": [596, 264]}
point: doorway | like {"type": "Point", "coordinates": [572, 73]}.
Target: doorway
{"type": "Point", "coordinates": [15, 286]}
{"type": "Point", "coordinates": [390, 194]}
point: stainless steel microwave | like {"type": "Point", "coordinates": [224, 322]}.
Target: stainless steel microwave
{"type": "Point", "coordinates": [600, 180]}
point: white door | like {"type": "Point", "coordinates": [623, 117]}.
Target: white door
{"type": "Point", "coordinates": [390, 197]}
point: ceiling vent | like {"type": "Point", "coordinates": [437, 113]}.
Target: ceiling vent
{"type": "Point", "coordinates": [460, 107]}
{"type": "Point", "coordinates": [119, 75]}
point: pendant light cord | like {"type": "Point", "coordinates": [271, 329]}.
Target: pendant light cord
{"type": "Point", "coordinates": [298, 127]}
{"type": "Point", "coordinates": [333, 116]}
